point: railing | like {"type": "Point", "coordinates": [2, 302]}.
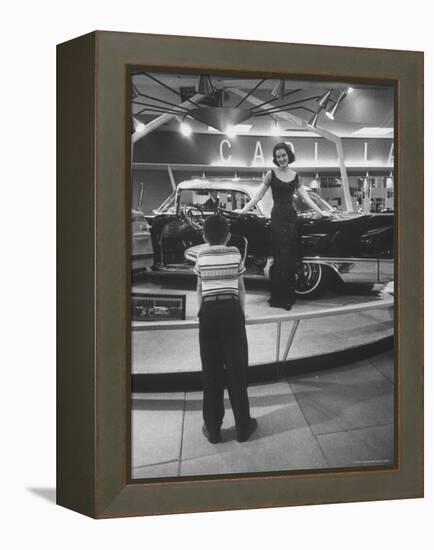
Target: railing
{"type": "Point", "coordinates": [296, 317]}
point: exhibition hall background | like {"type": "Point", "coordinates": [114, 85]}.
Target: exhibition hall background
{"type": "Point", "coordinates": [208, 155]}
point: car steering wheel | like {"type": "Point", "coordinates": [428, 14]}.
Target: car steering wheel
{"type": "Point", "coordinates": [194, 215]}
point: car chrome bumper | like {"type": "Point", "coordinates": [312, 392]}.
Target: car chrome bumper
{"type": "Point", "coordinates": [358, 270]}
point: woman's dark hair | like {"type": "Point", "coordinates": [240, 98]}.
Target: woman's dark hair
{"type": "Point", "coordinates": [285, 147]}
{"type": "Point", "coordinates": [216, 229]}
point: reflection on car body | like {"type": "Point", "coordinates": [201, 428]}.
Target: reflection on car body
{"type": "Point", "coordinates": [349, 246]}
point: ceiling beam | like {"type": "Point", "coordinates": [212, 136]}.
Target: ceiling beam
{"type": "Point", "coordinates": [300, 122]}
{"type": "Point", "coordinates": [159, 121]}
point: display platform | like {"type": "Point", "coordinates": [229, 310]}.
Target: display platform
{"type": "Point", "coordinates": [316, 333]}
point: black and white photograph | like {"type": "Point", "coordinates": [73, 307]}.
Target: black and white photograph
{"type": "Point", "coordinates": [223, 212]}
{"type": "Point", "coordinates": [262, 274]}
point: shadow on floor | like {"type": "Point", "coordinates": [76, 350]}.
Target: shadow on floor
{"type": "Point", "coordinates": [47, 493]}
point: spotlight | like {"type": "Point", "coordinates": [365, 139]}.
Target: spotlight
{"type": "Point", "coordinates": [313, 121]}
{"type": "Point", "coordinates": [350, 90]}
{"type": "Point", "coordinates": [138, 126]}
{"type": "Point", "coordinates": [279, 90]}
{"type": "Point", "coordinates": [185, 129]}
{"type": "Point", "coordinates": [332, 112]}
{"type": "Point", "coordinates": [324, 98]}
{"type": "Point", "coordinates": [230, 131]}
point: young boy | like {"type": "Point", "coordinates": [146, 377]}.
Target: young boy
{"type": "Point", "coordinates": [222, 332]}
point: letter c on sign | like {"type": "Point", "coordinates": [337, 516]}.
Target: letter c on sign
{"type": "Point", "coordinates": [229, 146]}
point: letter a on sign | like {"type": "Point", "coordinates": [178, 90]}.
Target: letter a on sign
{"type": "Point", "coordinates": [259, 155]}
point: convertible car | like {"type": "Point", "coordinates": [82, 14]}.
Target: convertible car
{"type": "Point", "coordinates": [345, 247]}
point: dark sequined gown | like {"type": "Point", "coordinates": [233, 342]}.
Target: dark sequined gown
{"type": "Point", "coordinates": [284, 240]}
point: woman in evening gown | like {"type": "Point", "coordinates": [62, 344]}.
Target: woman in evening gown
{"type": "Point", "coordinates": [284, 183]}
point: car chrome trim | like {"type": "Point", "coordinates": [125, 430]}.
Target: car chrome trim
{"type": "Point", "coordinates": [358, 270]}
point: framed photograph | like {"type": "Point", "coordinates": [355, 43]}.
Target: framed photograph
{"type": "Point", "coordinates": [240, 274]}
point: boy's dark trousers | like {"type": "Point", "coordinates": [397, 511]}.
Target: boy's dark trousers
{"type": "Point", "coordinates": [224, 356]}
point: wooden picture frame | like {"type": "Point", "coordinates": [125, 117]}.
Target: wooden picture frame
{"type": "Point", "coordinates": [94, 278]}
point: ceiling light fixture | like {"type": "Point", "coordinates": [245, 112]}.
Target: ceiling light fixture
{"type": "Point", "coordinates": [204, 85]}
{"type": "Point", "coordinates": [138, 126]}
{"type": "Point", "coordinates": [231, 131]}
{"type": "Point", "coordinates": [212, 112]}
{"type": "Point", "coordinates": [279, 90]}
{"type": "Point", "coordinates": [185, 129]}
{"type": "Point", "coordinates": [314, 120]}
{"type": "Point", "coordinates": [322, 101]}
{"type": "Point", "coordinates": [331, 113]}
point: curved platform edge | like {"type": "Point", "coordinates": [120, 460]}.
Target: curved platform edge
{"type": "Point", "coordinates": [192, 381]}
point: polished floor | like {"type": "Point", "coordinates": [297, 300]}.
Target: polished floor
{"type": "Point", "coordinates": [336, 418]}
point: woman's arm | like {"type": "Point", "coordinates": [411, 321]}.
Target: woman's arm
{"type": "Point", "coordinates": [309, 202]}
{"type": "Point", "coordinates": [258, 196]}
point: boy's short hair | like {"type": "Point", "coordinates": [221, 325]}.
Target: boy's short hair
{"type": "Point", "coordinates": [216, 229]}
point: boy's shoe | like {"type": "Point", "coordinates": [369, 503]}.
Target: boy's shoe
{"type": "Point", "coordinates": [212, 437]}
{"type": "Point", "coordinates": [244, 435]}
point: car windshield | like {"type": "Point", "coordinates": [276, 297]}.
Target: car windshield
{"type": "Point", "coordinates": [168, 206]}
{"type": "Point", "coordinates": [303, 208]}
{"type": "Point", "coordinates": [232, 200]}
{"type": "Point", "coordinates": [228, 200]}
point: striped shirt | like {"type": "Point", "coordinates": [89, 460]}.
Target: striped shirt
{"type": "Point", "coordinates": [219, 268]}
